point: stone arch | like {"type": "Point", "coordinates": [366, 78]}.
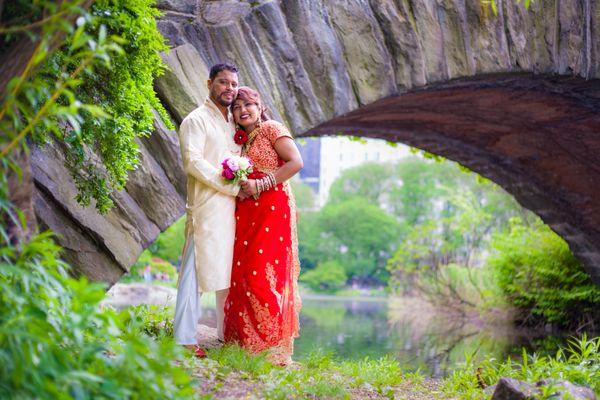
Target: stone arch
{"type": "Point", "coordinates": [513, 97]}
{"type": "Point", "coordinates": [536, 136]}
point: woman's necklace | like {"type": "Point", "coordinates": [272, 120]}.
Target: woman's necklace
{"type": "Point", "coordinates": [251, 138]}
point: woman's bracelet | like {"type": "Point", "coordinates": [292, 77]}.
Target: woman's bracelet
{"type": "Point", "coordinates": [271, 177]}
{"type": "Point", "coordinates": [265, 183]}
{"type": "Point", "coordinates": [257, 194]}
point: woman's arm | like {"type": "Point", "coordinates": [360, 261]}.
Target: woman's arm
{"type": "Point", "coordinates": [288, 152]}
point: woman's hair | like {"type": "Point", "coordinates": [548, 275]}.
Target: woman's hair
{"type": "Point", "coordinates": [252, 96]}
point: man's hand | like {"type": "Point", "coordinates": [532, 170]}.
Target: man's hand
{"type": "Point", "coordinates": [249, 187]}
{"type": "Point", "coordinates": [242, 195]}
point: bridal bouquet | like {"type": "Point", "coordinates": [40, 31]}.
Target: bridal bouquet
{"type": "Point", "coordinates": [236, 168]}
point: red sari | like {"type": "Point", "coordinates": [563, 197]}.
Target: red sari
{"type": "Point", "coordinates": [261, 310]}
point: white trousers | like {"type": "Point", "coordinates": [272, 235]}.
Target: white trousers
{"type": "Point", "coordinates": [187, 307]}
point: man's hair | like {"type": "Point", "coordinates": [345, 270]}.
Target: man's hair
{"type": "Point", "coordinates": [215, 69]}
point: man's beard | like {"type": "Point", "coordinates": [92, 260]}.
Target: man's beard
{"type": "Point", "coordinates": [223, 102]}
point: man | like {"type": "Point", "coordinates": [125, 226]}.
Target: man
{"type": "Point", "coordinates": [207, 138]}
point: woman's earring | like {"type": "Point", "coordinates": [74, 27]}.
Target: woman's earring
{"type": "Point", "coordinates": [259, 122]}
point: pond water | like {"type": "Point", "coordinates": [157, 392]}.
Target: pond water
{"type": "Point", "coordinates": [418, 335]}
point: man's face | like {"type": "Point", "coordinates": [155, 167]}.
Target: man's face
{"type": "Point", "coordinates": [223, 88]}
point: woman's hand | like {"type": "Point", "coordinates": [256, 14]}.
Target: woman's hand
{"type": "Point", "coordinates": [249, 187]}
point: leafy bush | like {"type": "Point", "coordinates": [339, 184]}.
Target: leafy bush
{"type": "Point", "coordinates": [169, 244]}
{"type": "Point", "coordinates": [156, 321]}
{"type": "Point", "coordinates": [156, 264]}
{"type": "Point", "coordinates": [57, 343]}
{"type": "Point", "coordinates": [364, 236]}
{"type": "Point", "coordinates": [540, 276]}
{"type": "Point", "coordinates": [328, 277]}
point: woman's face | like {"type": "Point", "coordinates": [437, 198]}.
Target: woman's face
{"type": "Point", "coordinates": [245, 113]}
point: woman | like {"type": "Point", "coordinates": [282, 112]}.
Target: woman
{"type": "Point", "coordinates": [261, 310]}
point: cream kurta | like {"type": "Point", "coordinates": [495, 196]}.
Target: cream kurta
{"type": "Point", "coordinates": [206, 139]}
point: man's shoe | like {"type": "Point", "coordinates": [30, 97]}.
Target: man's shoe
{"type": "Point", "coordinates": [196, 350]}
{"type": "Point", "coordinates": [199, 352]}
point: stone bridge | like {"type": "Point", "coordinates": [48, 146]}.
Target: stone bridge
{"type": "Point", "coordinates": [513, 96]}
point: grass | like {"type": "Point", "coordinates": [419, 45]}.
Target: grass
{"type": "Point", "coordinates": [231, 372]}
{"type": "Point", "coordinates": [578, 363]}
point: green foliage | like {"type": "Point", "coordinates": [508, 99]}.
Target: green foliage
{"type": "Point", "coordinates": [169, 244]}
{"type": "Point", "coordinates": [34, 105]}
{"type": "Point", "coordinates": [313, 245]}
{"type": "Point", "coordinates": [420, 252]}
{"type": "Point", "coordinates": [369, 181]}
{"type": "Point", "coordinates": [413, 200]}
{"type": "Point", "coordinates": [577, 363]}
{"type": "Point", "coordinates": [93, 93]}
{"type": "Point", "coordinates": [451, 215]}
{"type": "Point", "coordinates": [155, 321]}
{"type": "Point", "coordinates": [441, 215]}
{"type": "Point", "coordinates": [304, 195]}
{"type": "Point", "coordinates": [540, 277]}
{"type": "Point", "coordinates": [234, 358]}
{"type": "Point", "coordinates": [122, 90]}
{"type": "Point", "coordinates": [55, 339]}
{"type": "Point", "coordinates": [382, 374]}
{"type": "Point", "coordinates": [157, 265]}
{"type": "Point", "coordinates": [329, 276]}
{"type": "Point", "coordinates": [364, 236]}
{"type": "Point", "coordinates": [57, 343]}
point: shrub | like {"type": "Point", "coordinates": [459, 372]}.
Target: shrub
{"type": "Point", "coordinates": [57, 343]}
{"type": "Point", "coordinates": [156, 321]}
{"type": "Point", "coordinates": [157, 265]}
{"type": "Point", "coordinates": [328, 277]}
{"type": "Point", "coordinates": [539, 275]}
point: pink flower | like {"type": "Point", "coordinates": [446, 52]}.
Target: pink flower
{"type": "Point", "coordinates": [232, 165]}
{"type": "Point", "coordinates": [228, 174]}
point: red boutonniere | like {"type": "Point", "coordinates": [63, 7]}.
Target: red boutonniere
{"type": "Point", "coordinates": [240, 137]}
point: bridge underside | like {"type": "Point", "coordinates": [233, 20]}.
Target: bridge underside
{"type": "Point", "coordinates": [536, 136]}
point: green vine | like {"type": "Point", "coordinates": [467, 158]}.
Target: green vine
{"type": "Point", "coordinates": [93, 94]}
{"type": "Point", "coordinates": [101, 151]}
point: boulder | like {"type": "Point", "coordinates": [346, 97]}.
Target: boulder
{"type": "Point", "coordinates": [182, 87]}
{"type": "Point", "coordinates": [514, 389]}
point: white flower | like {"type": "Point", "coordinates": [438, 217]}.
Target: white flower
{"type": "Point", "coordinates": [243, 163]}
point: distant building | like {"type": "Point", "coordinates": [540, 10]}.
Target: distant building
{"type": "Point", "coordinates": [310, 149]}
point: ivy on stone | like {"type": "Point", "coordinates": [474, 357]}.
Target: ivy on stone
{"type": "Point", "coordinates": [101, 151]}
